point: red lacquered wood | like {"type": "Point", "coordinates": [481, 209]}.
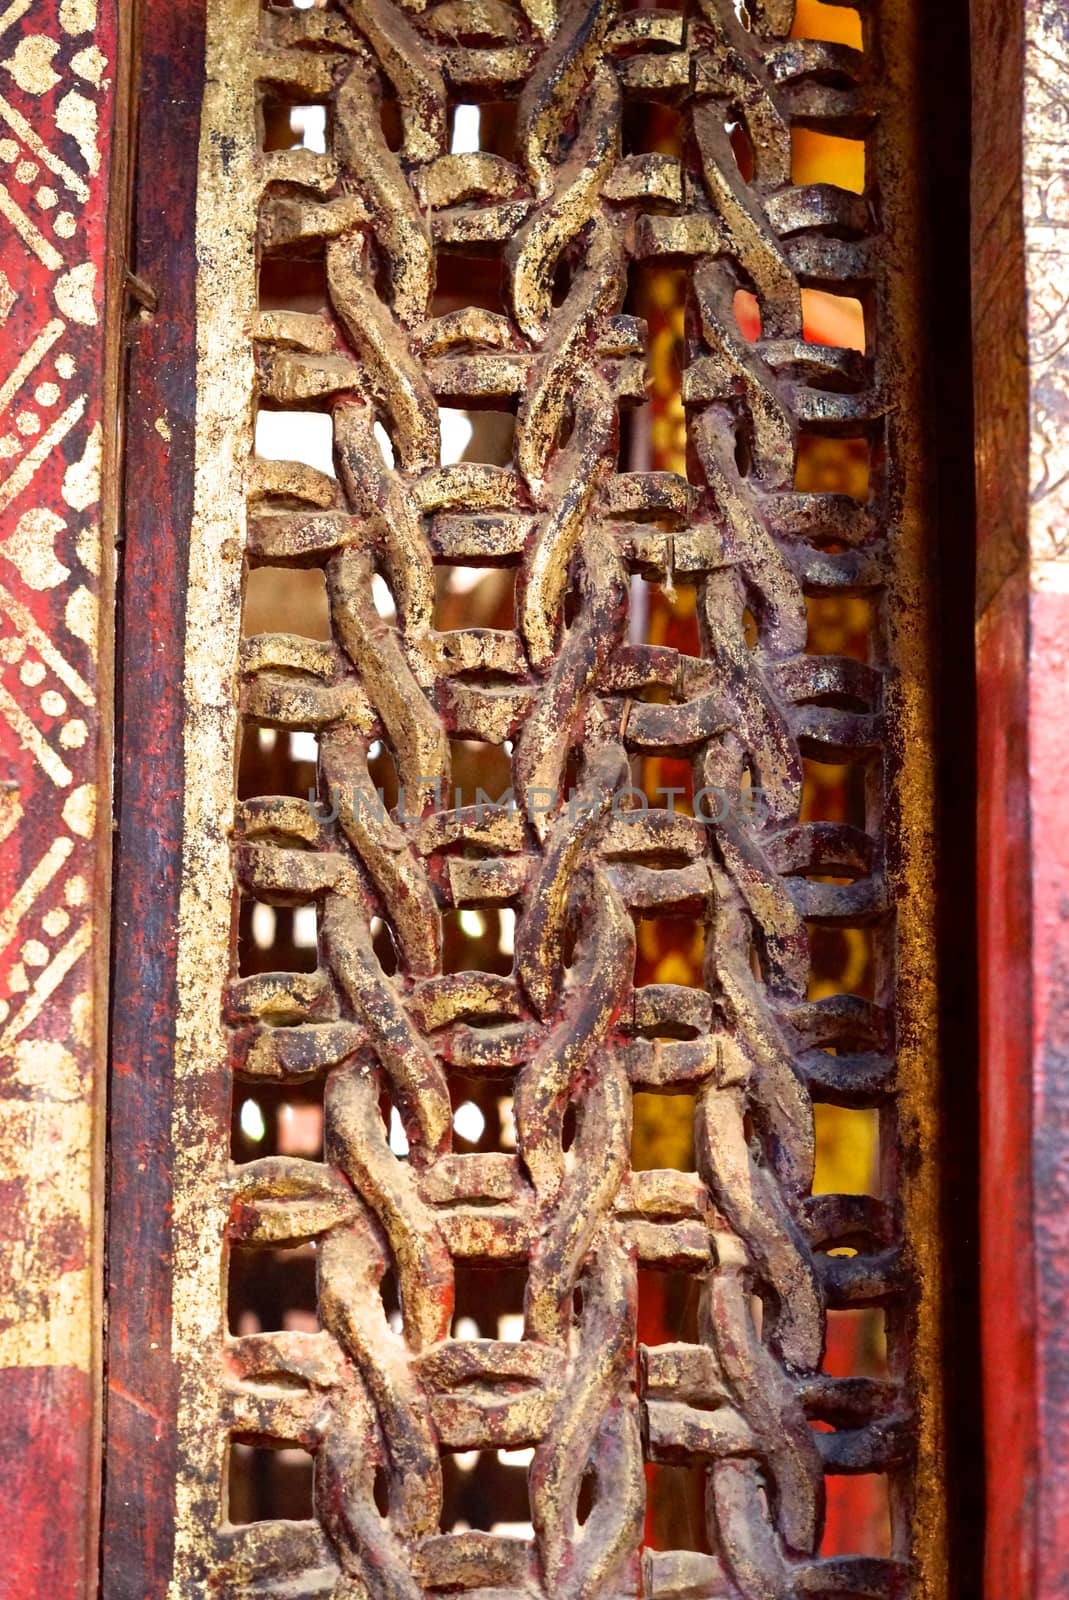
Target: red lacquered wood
{"type": "Point", "coordinates": [1021, 334]}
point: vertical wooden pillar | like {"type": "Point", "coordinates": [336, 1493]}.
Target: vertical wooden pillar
{"type": "Point", "coordinates": [1021, 329]}
{"type": "Point", "coordinates": [60, 311]}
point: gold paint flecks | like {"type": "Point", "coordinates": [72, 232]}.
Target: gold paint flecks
{"type": "Point", "coordinates": [28, 232]}
{"type": "Point", "coordinates": [42, 644]}
{"type": "Point", "coordinates": [30, 549]}
{"type": "Point", "coordinates": [81, 481]}
{"type": "Point", "coordinates": [90, 64]}
{"type": "Point", "coordinates": [78, 16]}
{"type": "Point", "coordinates": [77, 116]}
{"type": "Point", "coordinates": [87, 548]}
{"type": "Point", "coordinates": [76, 891]}
{"type": "Point", "coordinates": [46, 1145]}
{"type": "Point", "coordinates": [45, 985]}
{"type": "Point", "coordinates": [79, 810]}
{"type": "Point", "coordinates": [31, 739]}
{"type": "Point", "coordinates": [30, 360]}
{"type": "Point", "coordinates": [11, 812]}
{"type": "Point", "coordinates": [81, 616]}
{"type": "Point", "coordinates": [28, 892]}
{"type": "Point", "coordinates": [75, 294]}
{"type": "Point", "coordinates": [31, 64]}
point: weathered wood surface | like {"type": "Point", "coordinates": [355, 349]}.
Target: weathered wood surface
{"type": "Point", "coordinates": [1021, 333]}
{"type": "Point", "coordinates": [138, 1524]}
{"type": "Point", "coordinates": [573, 700]}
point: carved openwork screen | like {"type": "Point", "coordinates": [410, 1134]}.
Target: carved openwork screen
{"type": "Point", "coordinates": [524, 1021]}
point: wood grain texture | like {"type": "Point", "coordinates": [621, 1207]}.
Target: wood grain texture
{"type": "Point", "coordinates": [139, 1494]}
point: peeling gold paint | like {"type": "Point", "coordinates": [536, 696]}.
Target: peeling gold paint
{"type": "Point", "coordinates": [77, 16]}
{"type": "Point", "coordinates": [81, 482]}
{"type": "Point", "coordinates": [73, 735]}
{"type": "Point", "coordinates": [8, 298]}
{"type": "Point", "coordinates": [50, 1280]}
{"type": "Point", "coordinates": [76, 115]}
{"type": "Point", "coordinates": [81, 615]}
{"type": "Point", "coordinates": [75, 294]}
{"type": "Point", "coordinates": [31, 549]}
{"type": "Point", "coordinates": [87, 548]}
{"type": "Point", "coordinates": [31, 64]}
{"type": "Point", "coordinates": [83, 1018]}
{"type": "Point", "coordinates": [79, 810]}
{"type": "Point", "coordinates": [10, 810]}
{"type": "Point", "coordinates": [226, 304]}
{"type": "Point", "coordinates": [91, 64]}
{"type": "Point", "coordinates": [46, 1160]}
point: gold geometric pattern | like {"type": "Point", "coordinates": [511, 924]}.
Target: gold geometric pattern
{"type": "Point", "coordinates": [57, 60]}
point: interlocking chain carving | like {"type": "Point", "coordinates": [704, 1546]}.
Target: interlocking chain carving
{"type": "Point", "coordinates": [578, 855]}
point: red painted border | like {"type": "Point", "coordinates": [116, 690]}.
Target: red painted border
{"type": "Point", "coordinates": [60, 102]}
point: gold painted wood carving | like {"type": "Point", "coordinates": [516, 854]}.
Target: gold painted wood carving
{"type": "Point", "coordinates": [333, 285]}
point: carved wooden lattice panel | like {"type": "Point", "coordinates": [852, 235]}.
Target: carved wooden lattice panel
{"type": "Point", "coordinates": [388, 1391]}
